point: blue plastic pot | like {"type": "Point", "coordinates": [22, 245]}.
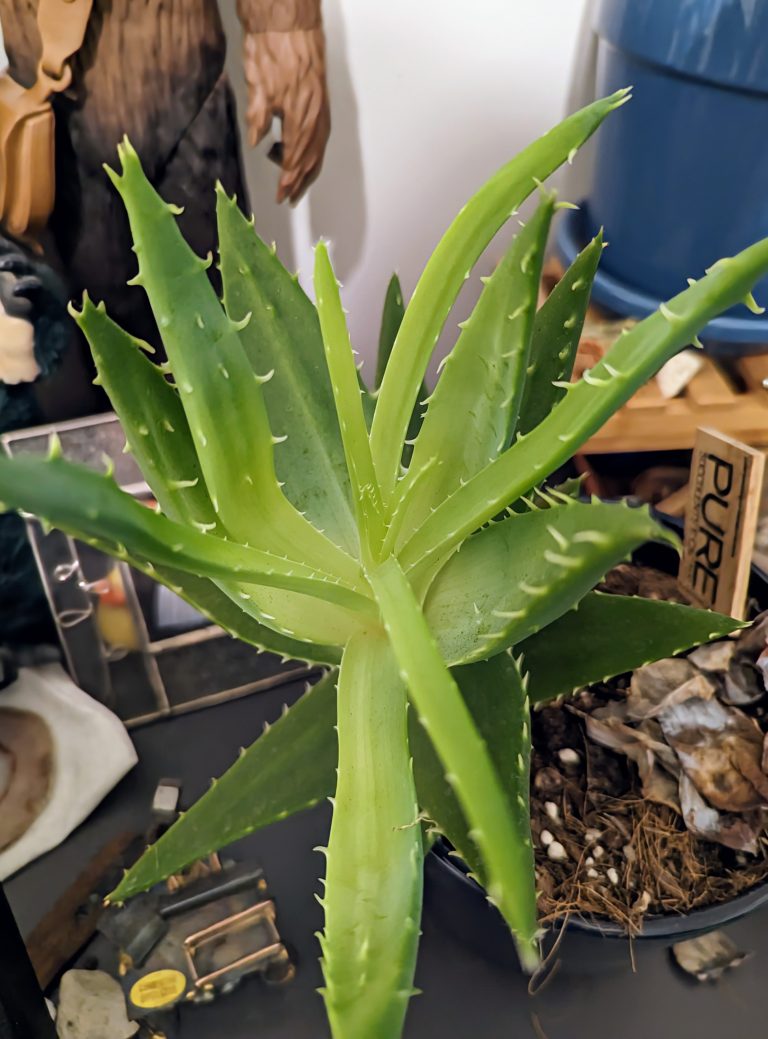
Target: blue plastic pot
{"type": "Point", "coordinates": [681, 173]}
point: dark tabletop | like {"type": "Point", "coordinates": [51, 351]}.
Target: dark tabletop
{"type": "Point", "coordinates": [463, 996]}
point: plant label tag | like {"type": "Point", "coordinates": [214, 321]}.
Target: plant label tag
{"type": "Point", "coordinates": [720, 522]}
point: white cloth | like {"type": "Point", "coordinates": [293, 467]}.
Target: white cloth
{"type": "Point", "coordinates": [92, 753]}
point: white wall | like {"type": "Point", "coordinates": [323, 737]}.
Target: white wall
{"type": "Point", "coordinates": [429, 97]}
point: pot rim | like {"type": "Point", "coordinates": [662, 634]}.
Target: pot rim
{"type": "Point", "coordinates": [628, 301]}
{"type": "Point", "coordinates": [667, 925]}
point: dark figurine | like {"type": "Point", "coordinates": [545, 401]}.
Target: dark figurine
{"type": "Point", "coordinates": [34, 331]}
{"type": "Point", "coordinates": [155, 71]}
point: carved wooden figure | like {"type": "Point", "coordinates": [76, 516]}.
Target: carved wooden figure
{"type": "Point", "coordinates": [154, 69]}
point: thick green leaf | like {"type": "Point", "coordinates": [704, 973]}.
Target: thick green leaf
{"type": "Point", "coordinates": [346, 393]}
{"type": "Point", "coordinates": [606, 636]}
{"type": "Point", "coordinates": [374, 875]}
{"type": "Point", "coordinates": [152, 416]}
{"type": "Point", "coordinates": [556, 335]}
{"type": "Point", "coordinates": [516, 576]}
{"type": "Point", "coordinates": [494, 694]}
{"type": "Point", "coordinates": [220, 393]}
{"type": "Point", "coordinates": [159, 438]}
{"type": "Point", "coordinates": [222, 603]}
{"type": "Point", "coordinates": [544, 497]}
{"type": "Point", "coordinates": [293, 766]}
{"type": "Point", "coordinates": [391, 319]}
{"type": "Point", "coordinates": [504, 844]}
{"type": "Point", "coordinates": [290, 767]}
{"type": "Point", "coordinates": [630, 362]}
{"type": "Point", "coordinates": [482, 380]}
{"type": "Point", "coordinates": [283, 335]}
{"type": "Point", "coordinates": [89, 505]}
{"type": "Point", "coordinates": [369, 403]}
{"type": "Point", "coordinates": [449, 266]}
{"type": "Point", "coordinates": [610, 634]}
{"type": "Point", "coordinates": [227, 604]}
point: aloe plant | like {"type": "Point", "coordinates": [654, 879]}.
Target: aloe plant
{"type": "Point", "coordinates": [411, 541]}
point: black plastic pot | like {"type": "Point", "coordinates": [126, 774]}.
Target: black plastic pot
{"type": "Point", "coordinates": [584, 946]}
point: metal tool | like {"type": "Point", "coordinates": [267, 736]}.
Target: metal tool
{"type": "Point", "coordinates": [197, 938]}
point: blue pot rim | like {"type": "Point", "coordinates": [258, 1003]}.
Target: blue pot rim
{"type": "Point", "coordinates": [627, 301]}
{"type": "Point", "coordinates": [721, 42]}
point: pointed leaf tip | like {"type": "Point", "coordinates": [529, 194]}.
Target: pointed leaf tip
{"type": "Point", "coordinates": [54, 446]}
{"type": "Point", "coordinates": [113, 175]}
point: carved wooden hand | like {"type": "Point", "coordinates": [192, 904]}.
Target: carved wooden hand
{"type": "Point", "coordinates": [284, 61]}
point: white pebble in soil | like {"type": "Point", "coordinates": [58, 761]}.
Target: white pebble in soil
{"type": "Point", "coordinates": [568, 756]}
{"type": "Point", "coordinates": [642, 902]}
{"type": "Point", "coordinates": [592, 873]}
{"type": "Point", "coordinates": [546, 838]}
{"type": "Point", "coordinates": [613, 875]}
{"type": "Point", "coordinates": [591, 836]}
{"type": "Point", "coordinates": [557, 852]}
{"type": "Point", "coordinates": [598, 851]}
{"type": "Point", "coordinates": [552, 810]}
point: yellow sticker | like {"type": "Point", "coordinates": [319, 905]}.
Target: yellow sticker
{"type": "Point", "coordinates": [158, 989]}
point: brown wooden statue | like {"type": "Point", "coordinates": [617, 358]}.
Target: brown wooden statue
{"type": "Point", "coordinates": [154, 69]}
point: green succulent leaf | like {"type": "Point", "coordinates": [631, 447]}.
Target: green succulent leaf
{"type": "Point", "coordinates": [517, 576]}
{"type": "Point", "coordinates": [344, 382]}
{"type": "Point", "coordinates": [606, 636]}
{"type": "Point", "coordinates": [223, 604]}
{"type": "Point", "coordinates": [259, 789]}
{"type": "Point", "coordinates": [374, 873]}
{"type": "Point", "coordinates": [469, 768]}
{"type": "Point", "coordinates": [226, 604]}
{"type": "Point", "coordinates": [610, 634]}
{"type": "Point", "coordinates": [283, 335]}
{"type": "Point", "coordinates": [544, 497]}
{"type": "Point", "coordinates": [488, 361]}
{"type": "Point", "coordinates": [152, 416]}
{"type": "Point", "coordinates": [556, 335]}
{"type": "Point", "coordinates": [495, 695]}
{"type": "Point", "coordinates": [633, 359]}
{"type": "Point", "coordinates": [391, 319]}
{"type": "Point", "coordinates": [449, 266]}
{"type": "Point", "coordinates": [220, 393]}
{"type": "Point", "coordinates": [158, 435]}
{"type": "Point", "coordinates": [90, 506]}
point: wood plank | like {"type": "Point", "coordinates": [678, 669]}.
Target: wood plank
{"type": "Point", "coordinates": [709, 386]}
{"type": "Point", "coordinates": [74, 918]}
{"type": "Point", "coordinates": [675, 504]}
{"type": "Point", "coordinates": [754, 370]}
{"type": "Point", "coordinates": [640, 430]}
{"type": "Point", "coordinates": [648, 396]}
